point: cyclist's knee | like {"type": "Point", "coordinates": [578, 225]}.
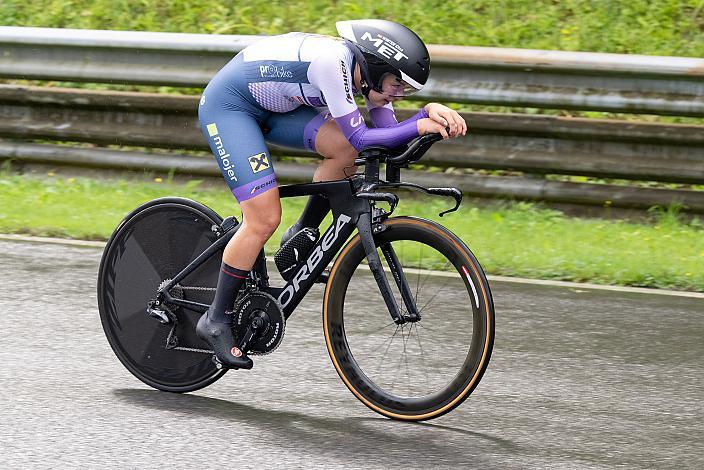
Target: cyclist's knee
{"type": "Point", "coordinates": [262, 215]}
{"type": "Point", "coordinates": [341, 157]}
{"type": "Point", "coordinates": [347, 153]}
{"type": "Point", "coordinates": [266, 224]}
{"type": "Point", "coordinates": [333, 145]}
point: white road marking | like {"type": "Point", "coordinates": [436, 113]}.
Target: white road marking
{"type": "Point", "coordinates": [516, 280]}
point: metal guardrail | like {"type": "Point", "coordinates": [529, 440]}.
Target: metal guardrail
{"type": "Point", "coordinates": [482, 75]}
{"type": "Point", "coordinates": [530, 144]}
{"type": "Point", "coordinates": [533, 145]}
{"type": "Point", "coordinates": [472, 185]}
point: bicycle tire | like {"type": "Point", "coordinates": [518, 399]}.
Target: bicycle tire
{"type": "Point", "coordinates": [153, 243]}
{"type": "Point", "coordinates": [350, 326]}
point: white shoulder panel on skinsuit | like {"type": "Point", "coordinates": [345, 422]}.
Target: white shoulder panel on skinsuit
{"type": "Point", "coordinates": [283, 47]}
{"type": "Point", "coordinates": [329, 74]}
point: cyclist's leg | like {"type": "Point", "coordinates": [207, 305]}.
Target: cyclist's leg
{"type": "Point", "coordinates": [236, 140]}
{"type": "Point", "coordinates": [338, 154]}
{"type": "Point", "coordinates": [314, 130]}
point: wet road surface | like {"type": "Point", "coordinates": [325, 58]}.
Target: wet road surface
{"type": "Point", "coordinates": [578, 379]}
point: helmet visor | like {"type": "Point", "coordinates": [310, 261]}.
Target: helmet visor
{"type": "Point", "coordinates": [393, 86]}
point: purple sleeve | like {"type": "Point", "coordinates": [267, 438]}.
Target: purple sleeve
{"type": "Point", "coordinates": [382, 117]}
{"type": "Point", "coordinates": [385, 117]}
{"type": "Point", "coordinates": [360, 136]}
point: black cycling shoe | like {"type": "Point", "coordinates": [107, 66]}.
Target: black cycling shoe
{"type": "Point", "coordinates": [219, 337]}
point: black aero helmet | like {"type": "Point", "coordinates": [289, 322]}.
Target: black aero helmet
{"type": "Point", "coordinates": [382, 47]}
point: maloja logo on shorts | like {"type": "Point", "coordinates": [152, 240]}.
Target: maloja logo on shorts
{"type": "Point", "coordinates": [220, 151]}
{"type": "Point", "coordinates": [264, 185]}
{"type": "Point", "coordinates": [258, 162]}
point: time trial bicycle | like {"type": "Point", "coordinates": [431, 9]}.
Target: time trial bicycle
{"type": "Point", "coordinates": [413, 349]}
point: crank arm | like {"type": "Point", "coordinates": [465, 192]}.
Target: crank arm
{"type": "Point", "coordinates": [247, 339]}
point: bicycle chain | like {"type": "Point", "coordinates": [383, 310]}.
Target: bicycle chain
{"type": "Point", "coordinates": [174, 318]}
{"type": "Point", "coordinates": [196, 288]}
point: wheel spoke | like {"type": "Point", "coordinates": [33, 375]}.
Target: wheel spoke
{"type": "Point", "coordinates": [422, 353]}
{"type": "Point", "coordinates": [390, 340]}
{"type": "Point", "coordinates": [379, 329]}
{"type": "Point", "coordinates": [430, 273]}
{"type": "Point", "coordinates": [420, 268]}
{"type": "Point", "coordinates": [414, 368]}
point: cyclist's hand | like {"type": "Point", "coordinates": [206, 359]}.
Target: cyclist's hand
{"type": "Point", "coordinates": [447, 117]}
{"type": "Point", "coordinates": [428, 126]}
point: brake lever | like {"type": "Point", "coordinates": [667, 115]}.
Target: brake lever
{"type": "Point", "coordinates": [448, 192]}
{"type": "Point", "coordinates": [390, 198]}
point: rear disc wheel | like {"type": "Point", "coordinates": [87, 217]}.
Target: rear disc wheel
{"type": "Point", "coordinates": [153, 244]}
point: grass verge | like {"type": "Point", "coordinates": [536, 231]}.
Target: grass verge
{"type": "Point", "coordinates": [514, 239]}
{"type": "Point", "coordinates": [660, 27]}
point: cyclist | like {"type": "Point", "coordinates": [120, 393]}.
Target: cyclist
{"type": "Point", "coordinates": [296, 90]}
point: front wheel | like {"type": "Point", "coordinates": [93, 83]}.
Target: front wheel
{"type": "Point", "coordinates": [422, 369]}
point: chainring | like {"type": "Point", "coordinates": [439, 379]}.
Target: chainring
{"type": "Point", "coordinates": [254, 303]}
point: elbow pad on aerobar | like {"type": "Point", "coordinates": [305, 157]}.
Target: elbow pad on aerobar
{"type": "Point", "coordinates": [360, 136]}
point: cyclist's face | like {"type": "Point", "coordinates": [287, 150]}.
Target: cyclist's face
{"type": "Point", "coordinates": [389, 92]}
{"type": "Point", "coordinates": [381, 99]}
{"type": "Point", "coordinates": [393, 86]}
{"type": "Point", "coordinates": [393, 89]}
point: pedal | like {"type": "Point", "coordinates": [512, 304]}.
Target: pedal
{"type": "Point", "coordinates": [220, 366]}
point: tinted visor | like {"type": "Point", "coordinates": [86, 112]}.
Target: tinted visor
{"type": "Point", "coordinates": [393, 86]}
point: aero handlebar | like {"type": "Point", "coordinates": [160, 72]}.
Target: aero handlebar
{"type": "Point", "coordinates": [416, 149]}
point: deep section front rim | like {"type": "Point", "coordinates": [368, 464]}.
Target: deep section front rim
{"type": "Point", "coordinates": [351, 341]}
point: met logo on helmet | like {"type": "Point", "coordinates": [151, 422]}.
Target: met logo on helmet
{"type": "Point", "coordinates": [385, 46]}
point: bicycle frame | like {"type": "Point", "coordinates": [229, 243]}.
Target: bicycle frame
{"type": "Point", "coordinates": [353, 203]}
{"type": "Point", "coordinates": [351, 210]}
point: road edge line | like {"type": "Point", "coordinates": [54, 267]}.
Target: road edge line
{"type": "Point", "coordinates": [515, 280]}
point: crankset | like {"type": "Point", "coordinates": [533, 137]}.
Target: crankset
{"type": "Point", "coordinates": [258, 323]}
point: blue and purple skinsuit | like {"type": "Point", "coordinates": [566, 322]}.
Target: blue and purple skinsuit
{"type": "Point", "coordinates": [287, 87]}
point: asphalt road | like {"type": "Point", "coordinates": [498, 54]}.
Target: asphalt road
{"type": "Point", "coordinates": [579, 379]}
